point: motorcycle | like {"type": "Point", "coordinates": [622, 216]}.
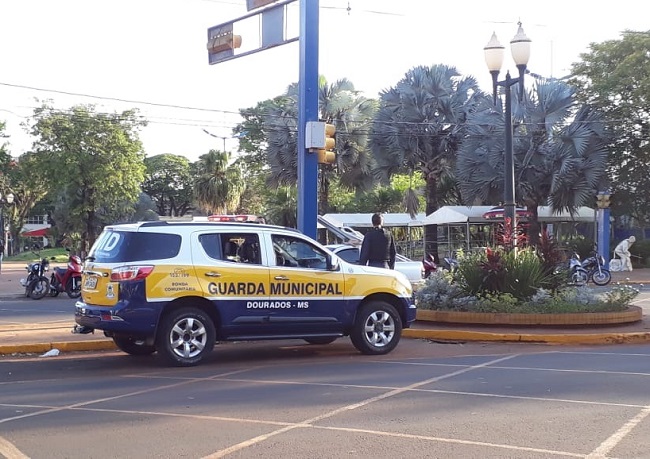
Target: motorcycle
{"type": "Point", "coordinates": [67, 279]}
{"type": "Point", "coordinates": [36, 284]}
{"type": "Point", "coordinates": [430, 266]}
{"type": "Point", "coordinates": [595, 267]}
{"type": "Point", "coordinates": [577, 274]}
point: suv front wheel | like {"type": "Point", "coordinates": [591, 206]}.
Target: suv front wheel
{"type": "Point", "coordinates": [377, 328]}
{"type": "Point", "coordinates": [185, 337]}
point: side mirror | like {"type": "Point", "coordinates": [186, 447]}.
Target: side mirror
{"type": "Point", "coordinates": [332, 263]}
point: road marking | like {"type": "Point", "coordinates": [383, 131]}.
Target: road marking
{"type": "Point", "coordinates": [618, 436]}
{"type": "Point", "coordinates": [353, 406]}
{"type": "Point", "coordinates": [9, 451]}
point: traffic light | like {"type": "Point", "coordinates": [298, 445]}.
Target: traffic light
{"type": "Point", "coordinates": [602, 200]}
{"type": "Point", "coordinates": [223, 42]}
{"type": "Point", "coordinates": [319, 138]}
{"type": "Point", "coordinates": [327, 155]}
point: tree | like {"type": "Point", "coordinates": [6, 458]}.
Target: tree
{"type": "Point", "coordinates": [98, 160]}
{"type": "Point", "coordinates": [218, 185]}
{"type": "Point", "coordinates": [418, 130]}
{"type": "Point", "coordinates": [559, 151]}
{"type": "Point", "coordinates": [339, 104]}
{"type": "Point", "coordinates": [282, 207]}
{"type": "Point", "coordinates": [169, 184]}
{"type": "Point", "coordinates": [614, 77]}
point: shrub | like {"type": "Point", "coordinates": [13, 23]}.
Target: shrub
{"type": "Point", "coordinates": [496, 271]}
{"type": "Point", "coordinates": [443, 292]}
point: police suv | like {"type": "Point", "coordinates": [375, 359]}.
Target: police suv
{"type": "Point", "coordinates": [176, 288]}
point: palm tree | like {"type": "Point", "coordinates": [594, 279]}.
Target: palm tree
{"type": "Point", "coordinates": [282, 206]}
{"type": "Point", "coordinates": [339, 104]}
{"type": "Point", "coordinates": [217, 186]}
{"type": "Point", "coordinates": [418, 129]}
{"type": "Point", "coordinates": [559, 152]}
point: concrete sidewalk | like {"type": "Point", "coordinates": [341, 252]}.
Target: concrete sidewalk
{"type": "Point", "coordinates": [42, 337]}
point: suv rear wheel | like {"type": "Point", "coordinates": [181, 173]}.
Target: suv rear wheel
{"type": "Point", "coordinates": [377, 328]}
{"type": "Point", "coordinates": [185, 336]}
{"type": "Point", "coordinates": [132, 346]}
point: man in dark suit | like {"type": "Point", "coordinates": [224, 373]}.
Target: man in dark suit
{"type": "Point", "coordinates": [378, 247]}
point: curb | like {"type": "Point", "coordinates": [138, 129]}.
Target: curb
{"type": "Point", "coordinates": [434, 335]}
{"type": "Point", "coordinates": [591, 338]}
{"type": "Point", "coordinates": [64, 346]}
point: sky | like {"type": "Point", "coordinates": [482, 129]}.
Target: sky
{"type": "Point", "coordinates": [151, 55]}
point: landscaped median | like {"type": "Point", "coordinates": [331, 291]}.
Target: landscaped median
{"type": "Point", "coordinates": [575, 332]}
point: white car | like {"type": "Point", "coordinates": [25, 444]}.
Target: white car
{"type": "Point", "coordinates": [413, 270]}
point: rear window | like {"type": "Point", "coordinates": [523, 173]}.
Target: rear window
{"type": "Point", "coordinates": [127, 246]}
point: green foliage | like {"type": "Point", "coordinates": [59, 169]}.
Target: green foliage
{"type": "Point", "coordinates": [282, 205]}
{"type": "Point", "coordinates": [614, 76]}
{"type": "Point", "coordinates": [98, 160]}
{"type": "Point", "coordinates": [439, 292]}
{"type": "Point", "coordinates": [218, 186]}
{"type": "Point", "coordinates": [169, 184]}
{"type": "Point", "coordinates": [59, 254]}
{"type": "Point", "coordinates": [516, 273]}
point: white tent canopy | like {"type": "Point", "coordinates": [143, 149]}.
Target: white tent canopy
{"type": "Point", "coordinates": [365, 220]}
{"type": "Point", "coordinates": [449, 215]}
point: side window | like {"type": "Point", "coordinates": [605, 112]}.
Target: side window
{"type": "Point", "coordinates": [211, 243]}
{"type": "Point", "coordinates": [233, 247]}
{"type": "Point", "coordinates": [295, 252]}
{"type": "Point", "coordinates": [349, 255]}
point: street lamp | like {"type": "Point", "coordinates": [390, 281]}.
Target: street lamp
{"type": "Point", "coordinates": [520, 48]}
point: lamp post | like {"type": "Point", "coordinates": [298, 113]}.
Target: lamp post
{"type": "Point", "coordinates": [520, 48]}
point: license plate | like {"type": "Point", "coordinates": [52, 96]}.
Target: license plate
{"type": "Point", "coordinates": [90, 283]}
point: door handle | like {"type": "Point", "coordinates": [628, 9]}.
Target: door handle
{"type": "Point", "coordinates": [212, 274]}
{"type": "Point", "coordinates": [281, 278]}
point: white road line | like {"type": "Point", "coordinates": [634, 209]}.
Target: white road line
{"type": "Point", "coordinates": [9, 451]}
{"type": "Point", "coordinates": [618, 436]}
{"type": "Point", "coordinates": [308, 422]}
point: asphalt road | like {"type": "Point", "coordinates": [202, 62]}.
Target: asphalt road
{"type": "Point", "coordinates": [286, 400]}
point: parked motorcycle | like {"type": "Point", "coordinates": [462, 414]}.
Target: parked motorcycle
{"type": "Point", "coordinates": [577, 274]}
{"type": "Point", "coordinates": [37, 285]}
{"type": "Point", "coordinates": [430, 266]}
{"type": "Point", "coordinates": [67, 279]}
{"type": "Point", "coordinates": [595, 267]}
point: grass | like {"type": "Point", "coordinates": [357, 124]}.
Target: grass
{"type": "Point", "coordinates": [60, 255]}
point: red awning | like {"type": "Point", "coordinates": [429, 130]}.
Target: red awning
{"type": "Point", "coordinates": [35, 233]}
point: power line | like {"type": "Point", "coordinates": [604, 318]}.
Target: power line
{"type": "Point", "coordinates": [117, 99]}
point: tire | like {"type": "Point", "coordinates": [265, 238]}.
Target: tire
{"type": "Point", "coordinates": [601, 278]}
{"type": "Point", "coordinates": [377, 328]}
{"type": "Point", "coordinates": [185, 337]}
{"type": "Point", "coordinates": [580, 277]}
{"type": "Point", "coordinates": [73, 287]}
{"type": "Point", "coordinates": [38, 288]}
{"type": "Point", "coordinates": [132, 346]}
{"type": "Point", "coordinates": [321, 340]}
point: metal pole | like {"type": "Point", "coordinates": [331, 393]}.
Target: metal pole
{"type": "Point", "coordinates": [307, 111]}
{"type": "Point", "coordinates": [509, 172]}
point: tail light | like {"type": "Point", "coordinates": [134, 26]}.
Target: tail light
{"type": "Point", "coordinates": [130, 273]}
